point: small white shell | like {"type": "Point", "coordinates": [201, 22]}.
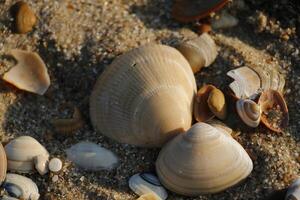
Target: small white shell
{"type": "Point", "coordinates": [41, 164]}
{"type": "Point", "coordinates": [249, 112]}
{"type": "Point", "coordinates": [91, 156]}
{"type": "Point", "coordinates": [144, 183]}
{"type": "Point", "coordinates": [55, 165]}
{"type": "Point", "coordinates": [21, 187]}
{"type": "Point", "coordinates": [225, 20]}
{"type": "Point", "coordinates": [293, 192]}
{"type": "Point", "coordinates": [3, 164]}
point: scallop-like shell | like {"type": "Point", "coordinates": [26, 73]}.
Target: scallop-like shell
{"type": "Point", "coordinates": [203, 160]}
{"type": "Point", "coordinates": [91, 156]}
{"type": "Point", "coordinates": [30, 72]}
{"type": "Point", "coordinates": [293, 192]}
{"type": "Point", "coordinates": [25, 18]}
{"type": "Point", "coordinates": [3, 164]}
{"type": "Point", "coordinates": [199, 52]}
{"type": "Point", "coordinates": [149, 196]}
{"type": "Point", "coordinates": [217, 104]}
{"type": "Point", "coordinates": [249, 112]}
{"type": "Point", "coordinates": [144, 183]}
{"type": "Point", "coordinates": [275, 115]}
{"type": "Point", "coordinates": [192, 10]}
{"type": "Point", "coordinates": [21, 187]}
{"type": "Point", "coordinates": [21, 152]}
{"type": "Point", "coordinates": [145, 97]}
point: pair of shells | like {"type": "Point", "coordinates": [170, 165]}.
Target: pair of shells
{"type": "Point", "coordinates": [203, 160]}
{"type": "Point", "coordinates": [209, 102]}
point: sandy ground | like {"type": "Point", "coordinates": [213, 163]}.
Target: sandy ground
{"type": "Point", "coordinates": [78, 39]}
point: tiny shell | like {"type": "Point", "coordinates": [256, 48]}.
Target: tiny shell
{"type": "Point", "coordinates": [225, 20]}
{"type": "Point", "coordinates": [216, 103]}
{"type": "Point", "coordinates": [55, 165]}
{"type": "Point", "coordinates": [149, 196]}
{"type": "Point", "coordinates": [30, 72]}
{"type": "Point", "coordinates": [3, 164]}
{"type": "Point", "coordinates": [293, 192]}
{"type": "Point", "coordinates": [145, 183]}
{"type": "Point", "coordinates": [91, 156]}
{"type": "Point", "coordinates": [41, 163]}
{"type": "Point", "coordinates": [249, 112]}
{"type": "Point", "coordinates": [25, 18]}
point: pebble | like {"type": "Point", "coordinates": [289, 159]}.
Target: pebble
{"type": "Point", "coordinates": [54, 178]}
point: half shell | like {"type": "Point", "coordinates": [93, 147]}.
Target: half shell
{"type": "Point", "coordinates": [293, 192]}
{"type": "Point", "coordinates": [203, 160]}
{"type": "Point", "coordinates": [216, 103]}
{"type": "Point", "coordinates": [3, 164]}
{"type": "Point", "coordinates": [249, 112]}
{"type": "Point", "coordinates": [25, 18]}
{"type": "Point", "coordinates": [144, 97]}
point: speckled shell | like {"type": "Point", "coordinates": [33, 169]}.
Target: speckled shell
{"type": "Point", "coordinates": [249, 112]}
{"type": "Point", "coordinates": [21, 153]}
{"type": "Point", "coordinates": [144, 97]}
{"type": "Point", "coordinates": [3, 164]}
{"type": "Point", "coordinates": [199, 52]}
{"type": "Point", "coordinates": [25, 18]}
{"type": "Point", "coordinates": [293, 192]}
{"type": "Point", "coordinates": [203, 160]}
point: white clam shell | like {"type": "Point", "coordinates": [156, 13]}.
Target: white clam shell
{"type": "Point", "coordinates": [249, 112]}
{"type": "Point", "coordinates": [144, 183]}
{"type": "Point", "coordinates": [293, 192]}
{"type": "Point", "coordinates": [55, 165]}
{"type": "Point", "coordinates": [203, 160]}
{"type": "Point", "coordinates": [28, 189]}
{"type": "Point", "coordinates": [144, 97]}
{"type": "Point", "coordinates": [92, 157]}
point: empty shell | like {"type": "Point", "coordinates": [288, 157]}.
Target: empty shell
{"type": "Point", "coordinates": [145, 97]}
{"type": "Point", "coordinates": [145, 183]}
{"type": "Point", "coordinates": [203, 160]}
{"type": "Point", "coordinates": [216, 103]}
{"type": "Point", "coordinates": [199, 52]}
{"type": "Point", "coordinates": [220, 125]}
{"type": "Point", "coordinates": [249, 112]}
{"type": "Point", "coordinates": [91, 156]}
{"type": "Point", "coordinates": [149, 196]}
{"type": "Point", "coordinates": [293, 192]}
{"type": "Point", "coordinates": [55, 165]}
{"type": "Point", "coordinates": [25, 18]}
{"type": "Point", "coordinates": [225, 20]}
{"type": "Point", "coordinates": [3, 164]}
{"type": "Point", "coordinates": [30, 72]}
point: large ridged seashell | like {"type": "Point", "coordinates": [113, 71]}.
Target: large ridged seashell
{"type": "Point", "coordinates": [192, 10]}
{"type": "Point", "coordinates": [203, 160]}
{"type": "Point", "coordinates": [3, 164]}
{"type": "Point", "coordinates": [144, 183]}
{"type": "Point", "coordinates": [21, 153]}
{"type": "Point", "coordinates": [293, 192]}
{"type": "Point", "coordinates": [30, 72]}
{"type": "Point", "coordinates": [249, 112]}
{"type": "Point", "coordinates": [149, 196]}
{"type": "Point", "coordinates": [145, 97]}
{"type": "Point", "coordinates": [91, 156]}
{"type": "Point", "coordinates": [220, 125]}
{"type": "Point", "coordinates": [199, 52]}
{"type": "Point", "coordinates": [25, 18]}
{"type": "Point", "coordinates": [21, 187]}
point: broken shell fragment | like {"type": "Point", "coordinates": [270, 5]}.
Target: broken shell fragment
{"type": "Point", "coordinates": [41, 163]}
{"type": "Point", "coordinates": [30, 72]}
{"type": "Point", "coordinates": [293, 192]}
{"type": "Point", "coordinates": [149, 196]}
{"type": "Point", "coordinates": [224, 20]}
{"type": "Point", "coordinates": [21, 187]}
{"type": "Point", "coordinates": [91, 156]}
{"type": "Point", "coordinates": [5, 197]}
{"type": "Point", "coordinates": [216, 103]}
{"type": "Point", "coordinates": [201, 161]}
{"type": "Point", "coordinates": [55, 165]}
{"type": "Point", "coordinates": [25, 18]}
{"type": "Point", "coordinates": [3, 164]}
{"type": "Point", "coordinates": [275, 115]}
{"type": "Point", "coordinates": [249, 112]}
{"type": "Point", "coordinates": [144, 183]}
{"type": "Point", "coordinates": [199, 52]}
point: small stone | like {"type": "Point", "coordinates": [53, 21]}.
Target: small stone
{"type": "Point", "coordinates": [55, 165]}
{"type": "Point", "coordinates": [54, 178]}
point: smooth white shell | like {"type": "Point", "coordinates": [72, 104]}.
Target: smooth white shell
{"type": "Point", "coordinates": [293, 192]}
{"type": "Point", "coordinates": [91, 156]}
{"type": "Point", "coordinates": [55, 165]}
{"type": "Point", "coordinates": [249, 112]}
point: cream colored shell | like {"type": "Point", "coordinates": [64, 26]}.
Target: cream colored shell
{"type": "Point", "coordinates": [144, 97]}
{"type": "Point", "coordinates": [203, 160]}
{"type": "Point", "coordinates": [249, 112]}
{"type": "Point", "coordinates": [3, 164]}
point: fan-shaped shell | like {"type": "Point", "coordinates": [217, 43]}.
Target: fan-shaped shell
{"type": "Point", "coordinates": [3, 164]}
{"type": "Point", "coordinates": [203, 160]}
{"type": "Point", "coordinates": [144, 97]}
{"type": "Point", "coordinates": [293, 192]}
{"type": "Point", "coordinates": [249, 112]}
{"type": "Point", "coordinates": [21, 153]}
{"type": "Point", "coordinates": [25, 18]}
{"type": "Point", "coordinates": [199, 52]}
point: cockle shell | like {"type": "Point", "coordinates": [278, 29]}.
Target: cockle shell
{"type": "Point", "coordinates": [149, 196]}
{"type": "Point", "coordinates": [249, 112]}
{"type": "Point", "coordinates": [92, 157]}
{"type": "Point", "coordinates": [145, 97]}
{"type": "Point", "coordinates": [30, 72]}
{"type": "Point", "coordinates": [3, 164]}
{"type": "Point", "coordinates": [293, 192]}
{"type": "Point", "coordinates": [203, 160]}
{"type": "Point", "coordinates": [55, 165]}
{"type": "Point", "coordinates": [21, 187]}
{"type": "Point", "coordinates": [21, 152]}
{"type": "Point", "coordinates": [25, 18]}
{"type": "Point", "coordinates": [199, 52]}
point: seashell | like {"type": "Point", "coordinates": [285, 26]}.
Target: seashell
{"type": "Point", "coordinates": [30, 72]}
{"type": "Point", "coordinates": [55, 165]}
{"type": "Point", "coordinates": [193, 10]}
{"type": "Point", "coordinates": [21, 187]}
{"type": "Point", "coordinates": [144, 183]}
{"type": "Point", "coordinates": [201, 161]}
{"type": "Point", "coordinates": [293, 192]}
{"type": "Point", "coordinates": [25, 18]}
{"type": "Point", "coordinates": [216, 103]}
{"type": "Point", "coordinates": [199, 52]}
{"type": "Point", "coordinates": [249, 112]}
{"type": "Point", "coordinates": [149, 196]}
{"type": "Point", "coordinates": [41, 163]}
{"type": "Point", "coordinates": [92, 157]}
{"type": "Point", "coordinates": [275, 115]}
{"type": "Point", "coordinates": [225, 20]}
{"type": "Point", "coordinates": [8, 198]}
{"type": "Point", "coordinates": [145, 97]}
{"type": "Point", "coordinates": [3, 164]}
{"type": "Point", "coordinates": [21, 152]}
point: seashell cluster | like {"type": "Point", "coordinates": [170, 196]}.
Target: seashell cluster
{"type": "Point", "coordinates": [184, 168]}
{"type": "Point", "coordinates": [145, 97]}
{"type": "Point", "coordinates": [293, 192]}
{"type": "Point", "coordinates": [3, 164]}
{"type": "Point", "coordinates": [249, 112]}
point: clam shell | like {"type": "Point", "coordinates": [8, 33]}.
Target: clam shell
{"type": "Point", "coordinates": [217, 104]}
{"type": "Point", "coordinates": [144, 97]}
{"type": "Point", "coordinates": [293, 192]}
{"type": "Point", "coordinates": [3, 164]}
{"type": "Point", "coordinates": [149, 196]}
{"type": "Point", "coordinates": [21, 152]}
{"type": "Point", "coordinates": [21, 187]}
{"type": "Point", "coordinates": [55, 165]}
{"type": "Point", "coordinates": [203, 160]}
{"type": "Point", "coordinates": [144, 183]}
{"type": "Point", "coordinates": [25, 18]}
{"type": "Point", "coordinates": [92, 157]}
{"type": "Point", "coordinates": [199, 52]}
{"type": "Point", "coordinates": [30, 72]}
{"type": "Point", "coordinates": [249, 112]}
